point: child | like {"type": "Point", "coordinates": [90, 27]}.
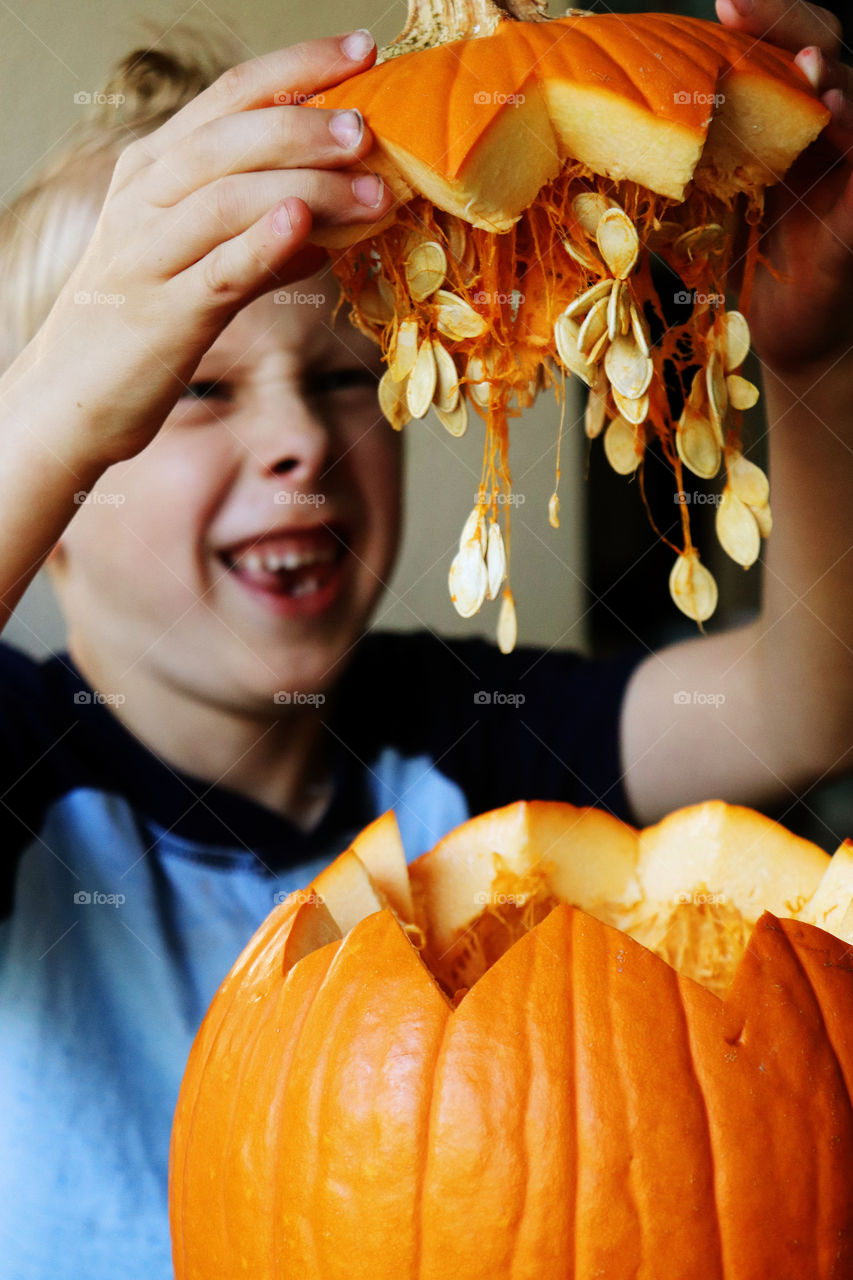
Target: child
{"type": "Point", "coordinates": [220, 728]}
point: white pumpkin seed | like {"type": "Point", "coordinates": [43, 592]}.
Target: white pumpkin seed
{"type": "Point", "coordinates": [455, 318]}
{"type": "Point", "coordinates": [735, 337]}
{"type": "Point", "coordinates": [588, 208]}
{"type": "Point", "coordinates": [764, 519]}
{"type": "Point", "coordinates": [737, 529]}
{"type": "Point", "coordinates": [554, 510]}
{"type": "Point", "coordinates": [467, 579]}
{"type": "Point", "coordinates": [742, 393]}
{"type": "Point", "coordinates": [634, 411]}
{"type": "Point", "coordinates": [495, 560]}
{"type": "Point", "coordinates": [566, 340]}
{"type": "Point", "coordinates": [698, 390]}
{"type": "Point", "coordinates": [507, 624]}
{"type": "Point", "coordinates": [692, 587]}
{"type": "Point", "coordinates": [697, 444]}
{"type": "Point", "coordinates": [446, 395]}
{"type": "Point", "coordinates": [585, 300]}
{"type": "Point", "coordinates": [584, 257]}
{"type": "Point", "coordinates": [596, 352]}
{"type": "Point", "coordinates": [639, 330]}
{"type": "Point", "coordinates": [376, 301]}
{"type": "Point", "coordinates": [595, 413]}
{"type": "Point", "coordinates": [594, 325]}
{"type": "Point", "coordinates": [426, 269]}
{"type": "Point", "coordinates": [404, 349]}
{"type": "Point", "coordinates": [707, 237]}
{"type": "Point", "coordinates": [622, 447]}
{"type": "Point", "coordinates": [747, 480]}
{"type": "Point", "coordinates": [454, 420]}
{"type": "Point", "coordinates": [474, 527]}
{"type": "Point", "coordinates": [629, 371]}
{"type": "Point", "coordinates": [393, 400]}
{"type": "Point", "coordinates": [718, 400]}
{"type": "Point", "coordinates": [422, 379]}
{"type": "Point", "coordinates": [618, 242]}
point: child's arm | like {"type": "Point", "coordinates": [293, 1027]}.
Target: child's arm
{"type": "Point", "coordinates": [202, 216]}
{"type": "Point", "coordinates": [766, 710]}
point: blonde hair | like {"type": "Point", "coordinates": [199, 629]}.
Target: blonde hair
{"type": "Point", "coordinates": [45, 228]}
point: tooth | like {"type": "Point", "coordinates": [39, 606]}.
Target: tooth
{"type": "Point", "coordinates": [305, 587]}
{"type": "Point", "coordinates": [253, 562]}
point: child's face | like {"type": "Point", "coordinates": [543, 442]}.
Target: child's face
{"type": "Point", "coordinates": [243, 550]}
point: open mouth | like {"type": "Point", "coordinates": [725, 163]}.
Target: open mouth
{"type": "Point", "coordinates": [298, 572]}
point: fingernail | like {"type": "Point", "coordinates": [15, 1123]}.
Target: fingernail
{"type": "Point", "coordinates": [809, 61]}
{"type": "Point", "coordinates": [358, 44]}
{"type": "Point", "coordinates": [281, 223]}
{"type": "Point", "coordinates": [744, 7]}
{"type": "Point", "coordinates": [368, 189]}
{"type": "Point", "coordinates": [346, 127]}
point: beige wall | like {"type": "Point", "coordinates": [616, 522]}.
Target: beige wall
{"type": "Point", "coordinates": [53, 49]}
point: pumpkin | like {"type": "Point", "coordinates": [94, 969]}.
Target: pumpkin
{"type": "Point", "coordinates": [543, 170]}
{"type": "Point", "coordinates": [552, 1046]}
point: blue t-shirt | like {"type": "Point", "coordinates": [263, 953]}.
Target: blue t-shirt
{"type": "Point", "coordinates": [129, 888]}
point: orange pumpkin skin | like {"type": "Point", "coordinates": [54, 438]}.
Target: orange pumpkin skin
{"type": "Point", "coordinates": [584, 1112]}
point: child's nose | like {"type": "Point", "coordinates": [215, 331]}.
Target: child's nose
{"type": "Point", "coordinates": [292, 443]}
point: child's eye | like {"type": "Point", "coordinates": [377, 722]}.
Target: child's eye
{"type": "Point", "coordinates": [205, 390]}
{"type": "Point", "coordinates": [328, 381]}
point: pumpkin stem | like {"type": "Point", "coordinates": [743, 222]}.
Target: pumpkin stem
{"type": "Point", "coordinates": [432, 22]}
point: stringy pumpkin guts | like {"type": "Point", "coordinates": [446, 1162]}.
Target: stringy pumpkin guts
{"type": "Point", "coordinates": [469, 318]}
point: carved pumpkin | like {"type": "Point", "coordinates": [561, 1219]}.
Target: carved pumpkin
{"type": "Point", "coordinates": [447, 1070]}
{"type": "Point", "coordinates": [541, 168]}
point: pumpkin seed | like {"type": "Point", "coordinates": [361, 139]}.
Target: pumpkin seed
{"type": "Point", "coordinates": [474, 527]}
{"type": "Point", "coordinates": [426, 269]}
{"type": "Point", "coordinates": [707, 237]}
{"type": "Point", "coordinates": [588, 208]}
{"type": "Point", "coordinates": [634, 411]}
{"type": "Point", "coordinates": [507, 624]}
{"type": "Point", "coordinates": [763, 518]}
{"type": "Point", "coordinates": [454, 420]}
{"type": "Point", "coordinates": [742, 393]}
{"type": "Point", "coordinates": [566, 340]}
{"type": "Point", "coordinates": [718, 400]}
{"type": "Point", "coordinates": [376, 301]}
{"type": "Point", "coordinates": [736, 339]}
{"type": "Point", "coordinates": [629, 371]}
{"type": "Point", "coordinates": [697, 444]}
{"type": "Point", "coordinates": [468, 579]}
{"type": "Point", "coordinates": [459, 245]}
{"type": "Point", "coordinates": [554, 510]}
{"type": "Point", "coordinates": [698, 390]}
{"type": "Point", "coordinates": [639, 330]}
{"type": "Point", "coordinates": [594, 325]}
{"type": "Point", "coordinates": [585, 300]}
{"type": "Point", "coordinates": [455, 318]}
{"type": "Point", "coordinates": [495, 561]}
{"type": "Point", "coordinates": [584, 257]}
{"type": "Point", "coordinates": [614, 312]}
{"type": "Point", "coordinates": [598, 350]}
{"type": "Point", "coordinates": [595, 413]}
{"type": "Point", "coordinates": [737, 529]}
{"type": "Point", "coordinates": [393, 400]}
{"type": "Point", "coordinates": [618, 242]}
{"type": "Point", "coordinates": [747, 480]}
{"type": "Point", "coordinates": [621, 442]}
{"type": "Point", "coordinates": [422, 380]}
{"type": "Point", "coordinates": [446, 395]}
{"type": "Point", "coordinates": [479, 388]}
{"type": "Point", "coordinates": [692, 587]}
{"type": "Point", "coordinates": [404, 349]}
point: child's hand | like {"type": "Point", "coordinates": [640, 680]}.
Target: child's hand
{"type": "Point", "coordinates": [804, 322]}
{"type": "Point", "coordinates": [203, 215]}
